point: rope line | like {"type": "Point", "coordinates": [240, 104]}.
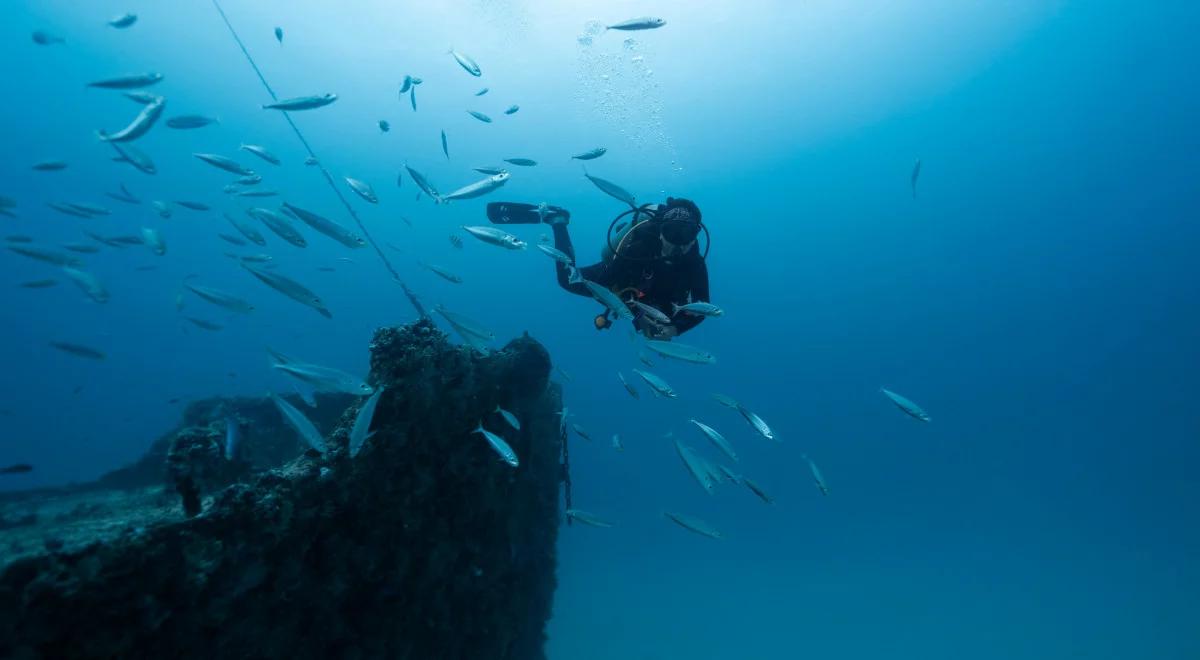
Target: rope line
{"type": "Point", "coordinates": [412, 298]}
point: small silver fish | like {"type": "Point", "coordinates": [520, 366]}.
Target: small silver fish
{"type": "Point", "coordinates": [326, 379]}
{"type": "Point", "coordinates": [362, 423]}
{"type": "Point", "coordinates": [681, 351]}
{"type": "Point", "coordinates": [445, 147]}
{"type": "Point", "coordinates": [495, 236]}
{"type": "Point", "coordinates": [591, 154]}
{"type": "Point", "coordinates": [611, 189]}
{"type": "Point", "coordinates": [499, 445]}
{"type": "Point", "coordinates": [509, 417]}
{"type": "Point", "coordinates": [477, 189]}
{"type": "Point", "coordinates": [818, 478]}
{"type": "Point", "coordinates": [221, 298]}
{"type": "Point", "coordinates": [154, 241]}
{"type": "Point", "coordinates": [191, 121]}
{"type": "Point", "coordinates": [129, 81]}
{"type": "Point", "coordinates": [466, 63]}
{"type": "Point", "coordinates": [523, 162]}
{"type": "Point", "coordinates": [512, 109]}
{"type": "Point", "coordinates": [86, 282]}
{"type": "Point", "coordinates": [642, 23]}
{"type": "Point", "coordinates": [384, 126]}
{"type": "Point", "coordinates": [362, 189]}
{"type": "Point", "coordinates": [628, 388]}
{"type": "Point", "coordinates": [261, 152]}
{"type": "Point", "coordinates": [228, 164]}
{"type": "Point", "coordinates": [480, 116]}
{"type": "Point", "coordinates": [658, 385]}
{"type": "Point", "coordinates": [910, 408]}
{"type": "Point", "coordinates": [289, 288]}
{"type": "Point", "coordinates": [279, 34]}
{"type": "Point", "coordinates": [302, 103]}
{"type": "Point", "coordinates": [556, 254]}
{"type": "Point", "coordinates": [441, 272]}
{"type": "Point", "coordinates": [586, 518]}
{"type": "Point", "coordinates": [307, 430]}
{"type": "Point", "coordinates": [482, 92]}
{"type": "Point", "coordinates": [422, 182]}
{"type": "Point", "coordinates": [693, 524]}
{"type": "Point", "coordinates": [122, 22]}
{"type": "Point", "coordinates": [716, 438]}
{"type": "Point", "coordinates": [140, 125]}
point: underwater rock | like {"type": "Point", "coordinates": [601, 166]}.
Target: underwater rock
{"type": "Point", "coordinates": [426, 545]}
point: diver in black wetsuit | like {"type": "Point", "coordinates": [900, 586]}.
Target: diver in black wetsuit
{"type": "Point", "coordinates": [655, 259]}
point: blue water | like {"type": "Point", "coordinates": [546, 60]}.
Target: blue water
{"type": "Point", "coordinates": [1038, 296]}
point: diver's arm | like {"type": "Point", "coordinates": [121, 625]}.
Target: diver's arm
{"type": "Point", "coordinates": [698, 279]}
{"type": "Point", "coordinates": [597, 273]}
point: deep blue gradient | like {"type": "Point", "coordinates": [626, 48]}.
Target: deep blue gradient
{"type": "Point", "coordinates": [1039, 296]}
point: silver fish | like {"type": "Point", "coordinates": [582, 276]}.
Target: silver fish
{"type": "Point", "coordinates": [489, 170]}
{"type": "Point", "coordinates": [278, 224]}
{"type": "Point", "coordinates": [628, 388]}
{"type": "Point", "coordinates": [642, 23]}
{"type": "Point", "coordinates": [50, 166]}
{"type": "Point", "coordinates": [405, 86]}
{"type": "Point", "coordinates": [231, 239]}
{"type": "Point", "coordinates": [82, 248]}
{"type": "Point", "coordinates": [326, 226]}
{"type": "Point", "coordinates": [362, 424]}
{"type": "Point", "coordinates": [258, 193]}
{"type": "Point", "coordinates": [649, 310]}
{"type": "Point", "coordinates": [613, 190]}
{"type": "Point", "coordinates": [422, 182]}
{"type": "Point", "coordinates": [556, 254]}
{"type": "Point", "coordinates": [499, 445]}
{"type": "Point", "coordinates": [129, 81]}
{"type": "Point", "coordinates": [441, 272]}
{"type": "Point", "coordinates": [140, 125]}
{"type": "Point", "coordinates": [141, 97]}
{"type": "Point", "coordinates": [203, 324]}
{"type": "Point", "coordinates": [818, 478]}
{"type": "Point", "coordinates": [757, 422]}
{"type": "Point", "coordinates": [582, 432]}
{"type": "Point", "coordinates": [325, 379]}
{"type": "Point", "coordinates": [466, 63]}
{"type": "Point", "coordinates": [482, 92]}
{"type": "Point", "coordinates": [154, 241]}
{"type": "Point", "coordinates": [221, 298]}
{"type": "Point", "coordinates": [307, 430]}
{"type": "Point", "coordinates": [122, 22]}
{"type": "Point", "coordinates": [680, 351]}
{"type": "Point", "coordinates": [290, 288]}
{"type": "Point", "coordinates": [509, 417]}
{"type": "Point", "coordinates": [445, 146]}
{"type": "Point", "coordinates": [477, 189]}
{"type": "Point", "coordinates": [223, 163]}
{"type": "Point", "coordinates": [43, 254]}
{"type": "Point", "coordinates": [384, 126]}
{"type": "Point", "coordinates": [523, 162]}
{"type": "Point", "coordinates": [261, 152]}
{"type": "Point", "coordinates": [124, 196]}
{"type": "Point", "coordinates": [512, 109]}
{"type": "Point", "coordinates": [250, 180]}
{"type": "Point", "coordinates": [757, 490]}
{"type": "Point", "coordinates": [658, 385]}
{"type": "Point", "coordinates": [68, 209]}
{"type": "Point", "coordinates": [43, 38]}
{"type": "Point", "coordinates": [161, 208]}
{"type": "Point", "coordinates": [480, 116]}
{"type": "Point", "coordinates": [78, 350]}
{"type": "Point", "coordinates": [194, 206]}
{"type": "Point", "coordinates": [910, 408]}
{"type": "Point", "coordinates": [191, 121]}
{"type": "Point", "coordinates": [695, 467]}
{"type": "Point", "coordinates": [279, 34]}
{"type": "Point", "coordinates": [697, 309]}
{"type": "Point", "coordinates": [603, 295]}
{"type": "Point", "coordinates": [586, 518]}
{"type": "Point", "coordinates": [246, 230]}
{"type": "Point", "coordinates": [302, 103]}
{"type": "Point", "coordinates": [362, 189]}
{"type": "Point", "coordinates": [464, 325]}
{"type": "Point", "coordinates": [495, 237]}
{"type": "Point", "coordinates": [591, 154]}
{"type": "Point", "coordinates": [135, 157]}
{"type": "Point", "coordinates": [716, 438]}
{"type": "Point", "coordinates": [87, 282]}
{"type": "Point", "coordinates": [693, 524]}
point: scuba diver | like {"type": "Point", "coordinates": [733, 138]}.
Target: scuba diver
{"type": "Point", "coordinates": [654, 259]}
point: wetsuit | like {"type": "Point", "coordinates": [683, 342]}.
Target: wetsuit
{"type": "Point", "coordinates": [661, 281]}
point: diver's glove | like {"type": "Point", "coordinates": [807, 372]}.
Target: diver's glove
{"type": "Point", "coordinates": [553, 215]}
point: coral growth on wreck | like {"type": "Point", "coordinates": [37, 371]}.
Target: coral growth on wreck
{"type": "Point", "coordinates": [425, 545]}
